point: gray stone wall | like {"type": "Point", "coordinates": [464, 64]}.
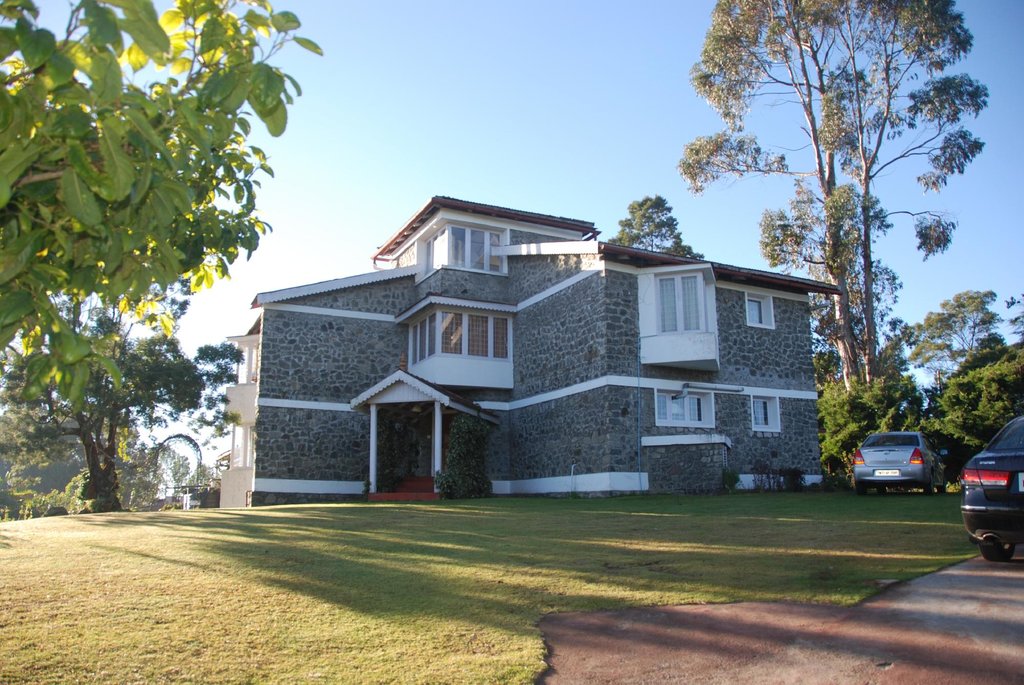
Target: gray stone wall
{"type": "Point", "coordinates": [796, 446]}
{"type": "Point", "coordinates": [309, 444]}
{"type": "Point", "coordinates": [324, 358]}
{"type": "Point", "coordinates": [685, 469]}
{"type": "Point", "coordinates": [470, 285]}
{"type": "Point", "coordinates": [560, 340]}
{"type": "Point", "coordinates": [387, 297]}
{"type": "Point", "coordinates": [764, 357]}
{"type": "Point", "coordinates": [596, 430]}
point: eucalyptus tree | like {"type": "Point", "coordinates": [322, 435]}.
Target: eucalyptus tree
{"type": "Point", "coordinates": [964, 325]}
{"type": "Point", "coordinates": [125, 162]}
{"type": "Point", "coordinates": [869, 89]}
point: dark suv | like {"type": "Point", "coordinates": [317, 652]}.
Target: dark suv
{"type": "Point", "coordinates": [993, 494]}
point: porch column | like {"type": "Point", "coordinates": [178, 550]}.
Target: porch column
{"type": "Point", "coordinates": [373, 448]}
{"type": "Point", "coordinates": [436, 451]}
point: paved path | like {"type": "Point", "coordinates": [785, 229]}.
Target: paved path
{"type": "Point", "coordinates": [964, 624]}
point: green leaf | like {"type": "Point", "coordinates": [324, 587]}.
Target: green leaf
{"type": "Point", "coordinates": [102, 25]}
{"type": "Point", "coordinates": [171, 20]}
{"type": "Point", "coordinates": [59, 70]}
{"type": "Point", "coordinates": [78, 199]}
{"type": "Point", "coordinates": [276, 119]}
{"type": "Point", "coordinates": [118, 167]}
{"type": "Point", "coordinates": [309, 45]}
{"type": "Point", "coordinates": [136, 56]}
{"type": "Point", "coordinates": [5, 193]}
{"type": "Point", "coordinates": [214, 35]}
{"type": "Point", "coordinates": [285, 21]}
{"type": "Point", "coordinates": [16, 159]}
{"type": "Point", "coordinates": [36, 47]}
{"type": "Point", "coordinates": [8, 42]}
{"type": "Point", "coordinates": [143, 25]}
{"type": "Point", "coordinates": [111, 368]}
{"type": "Point", "coordinates": [15, 306]}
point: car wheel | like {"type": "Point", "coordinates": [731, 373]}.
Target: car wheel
{"type": "Point", "coordinates": [995, 551]}
{"type": "Point", "coordinates": [929, 489]}
{"type": "Point", "coordinates": [861, 488]}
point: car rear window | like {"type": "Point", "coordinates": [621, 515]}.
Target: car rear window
{"type": "Point", "coordinates": [1010, 438]}
{"type": "Point", "coordinates": [891, 440]}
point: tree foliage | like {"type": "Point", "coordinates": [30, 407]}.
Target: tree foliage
{"type": "Point", "coordinates": [964, 326]}
{"type": "Point", "coordinates": [651, 226]}
{"type": "Point", "coordinates": [124, 162]}
{"type": "Point", "coordinates": [160, 384]}
{"type": "Point", "coordinates": [871, 90]}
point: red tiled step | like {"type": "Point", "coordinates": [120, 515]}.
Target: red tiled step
{"type": "Point", "coordinates": [402, 496]}
{"type": "Point", "coordinates": [416, 484]}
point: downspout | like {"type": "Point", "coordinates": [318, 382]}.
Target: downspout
{"type": "Point", "coordinates": [639, 406]}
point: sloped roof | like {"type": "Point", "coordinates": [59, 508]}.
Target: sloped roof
{"type": "Point", "coordinates": [726, 272]}
{"type": "Point", "coordinates": [439, 202]}
{"type": "Point", "coordinates": [334, 284]}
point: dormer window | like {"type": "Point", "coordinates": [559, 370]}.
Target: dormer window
{"type": "Point", "coordinates": [681, 303]}
{"type": "Point", "coordinates": [466, 248]}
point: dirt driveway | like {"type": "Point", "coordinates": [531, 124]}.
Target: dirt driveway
{"type": "Point", "coordinates": [964, 624]}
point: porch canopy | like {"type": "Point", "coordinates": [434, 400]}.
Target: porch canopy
{"type": "Point", "coordinates": [410, 394]}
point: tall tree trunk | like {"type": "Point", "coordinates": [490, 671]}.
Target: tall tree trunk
{"type": "Point", "coordinates": [870, 330]}
{"type": "Point", "coordinates": [844, 340]}
{"type": "Point", "coordinates": [102, 489]}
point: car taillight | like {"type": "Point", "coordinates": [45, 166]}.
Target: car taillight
{"type": "Point", "coordinates": [987, 477]}
{"type": "Point", "coordinates": [916, 457]}
{"type": "Point", "coordinates": [858, 458]}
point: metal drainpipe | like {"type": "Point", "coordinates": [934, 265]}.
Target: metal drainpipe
{"type": "Point", "coordinates": [639, 405]}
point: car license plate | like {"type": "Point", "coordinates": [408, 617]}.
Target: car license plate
{"type": "Point", "coordinates": [887, 472]}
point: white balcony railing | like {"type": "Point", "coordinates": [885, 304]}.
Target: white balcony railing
{"type": "Point", "coordinates": [689, 350]}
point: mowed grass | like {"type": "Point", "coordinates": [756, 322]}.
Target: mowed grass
{"type": "Point", "coordinates": [421, 593]}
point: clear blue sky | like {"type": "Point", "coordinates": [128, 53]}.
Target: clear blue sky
{"type": "Point", "coordinates": [573, 108]}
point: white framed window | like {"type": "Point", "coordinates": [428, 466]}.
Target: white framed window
{"type": "Point", "coordinates": [681, 303]}
{"type": "Point", "coordinates": [472, 335]}
{"type": "Point", "coordinates": [760, 310]}
{"type": "Point", "coordinates": [764, 413]}
{"type": "Point", "coordinates": [466, 248]}
{"type": "Point", "coordinates": [686, 409]}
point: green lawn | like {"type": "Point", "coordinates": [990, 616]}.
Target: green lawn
{"type": "Point", "coordinates": [434, 592]}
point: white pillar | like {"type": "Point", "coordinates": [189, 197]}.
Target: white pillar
{"type": "Point", "coordinates": [373, 448]}
{"type": "Point", "coordinates": [437, 440]}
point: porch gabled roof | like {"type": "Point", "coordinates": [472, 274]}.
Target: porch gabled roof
{"type": "Point", "coordinates": [390, 390]}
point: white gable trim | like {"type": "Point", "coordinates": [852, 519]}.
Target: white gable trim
{"type": "Point", "coordinates": [400, 377]}
{"type": "Point", "coordinates": [336, 284]}
{"type": "Point", "coordinates": [325, 311]}
{"type": "Point", "coordinates": [644, 383]}
{"type": "Point", "coordinates": [438, 300]}
{"type": "Point", "coordinates": [557, 288]}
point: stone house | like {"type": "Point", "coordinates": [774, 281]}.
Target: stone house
{"type": "Point", "coordinates": [602, 369]}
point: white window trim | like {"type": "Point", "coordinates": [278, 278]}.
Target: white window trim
{"type": "Point", "coordinates": [702, 320]}
{"type": "Point", "coordinates": [774, 420]}
{"type": "Point", "coordinates": [767, 309]}
{"type": "Point", "coordinates": [438, 250]}
{"type": "Point", "coordinates": [707, 409]}
{"type": "Point", "coordinates": [438, 331]}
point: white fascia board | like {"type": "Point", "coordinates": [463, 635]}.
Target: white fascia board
{"type": "Point", "coordinates": [309, 487]}
{"type": "Point", "coordinates": [326, 311]}
{"type": "Point", "coordinates": [336, 284]}
{"type": "Point", "coordinates": [757, 290]}
{"type": "Point", "coordinates": [243, 339]}
{"type": "Point", "coordinates": [471, 220]}
{"type": "Point", "coordinates": [689, 439]}
{"type": "Point", "coordinates": [549, 248]}
{"type": "Point", "coordinates": [645, 384]}
{"type": "Point", "coordinates": [441, 301]}
{"type": "Point", "coordinates": [302, 404]}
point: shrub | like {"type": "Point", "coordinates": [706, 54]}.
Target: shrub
{"type": "Point", "coordinates": [466, 472]}
{"type": "Point", "coordinates": [730, 479]}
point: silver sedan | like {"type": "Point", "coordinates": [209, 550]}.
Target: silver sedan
{"type": "Point", "coordinates": [902, 459]}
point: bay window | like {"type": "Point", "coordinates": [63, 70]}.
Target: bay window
{"type": "Point", "coordinates": [681, 304]}
{"type": "Point", "coordinates": [465, 248]}
{"type": "Point", "coordinates": [472, 335]}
